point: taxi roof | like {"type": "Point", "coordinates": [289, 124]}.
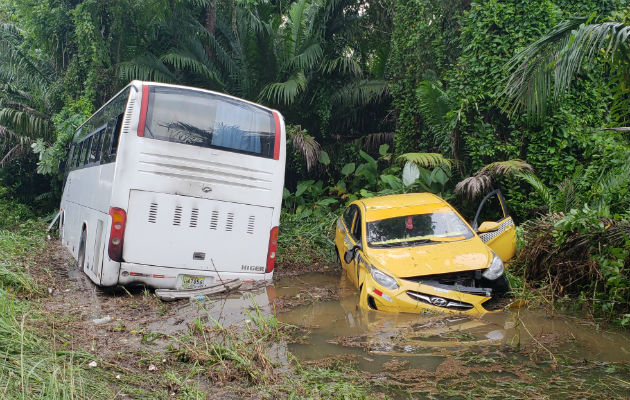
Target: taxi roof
{"type": "Point", "coordinates": [397, 205]}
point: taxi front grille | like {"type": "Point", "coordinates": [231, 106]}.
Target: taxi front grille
{"type": "Point", "coordinates": [439, 301]}
{"type": "Point", "coordinates": [463, 278]}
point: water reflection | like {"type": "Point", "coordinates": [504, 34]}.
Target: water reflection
{"type": "Point", "coordinates": [338, 326]}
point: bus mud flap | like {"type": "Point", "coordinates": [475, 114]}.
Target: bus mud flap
{"type": "Point", "coordinates": [176, 294]}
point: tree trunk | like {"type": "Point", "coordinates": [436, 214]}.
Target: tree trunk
{"type": "Point", "coordinates": [211, 22]}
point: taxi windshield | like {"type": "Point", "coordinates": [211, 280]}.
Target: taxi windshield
{"type": "Point", "coordinates": [420, 229]}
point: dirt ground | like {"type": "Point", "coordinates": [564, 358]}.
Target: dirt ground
{"type": "Point", "coordinates": [130, 331]}
{"type": "Point", "coordinates": [100, 321]}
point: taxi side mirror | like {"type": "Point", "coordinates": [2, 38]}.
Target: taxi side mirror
{"type": "Point", "coordinates": [488, 226]}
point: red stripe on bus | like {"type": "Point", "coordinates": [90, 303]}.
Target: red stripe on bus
{"type": "Point", "coordinates": [276, 145]}
{"type": "Point", "coordinates": [143, 110]}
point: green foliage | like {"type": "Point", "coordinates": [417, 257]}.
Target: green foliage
{"type": "Point", "coordinates": [12, 213]}
{"type": "Point", "coordinates": [31, 366]}
{"type": "Point", "coordinates": [550, 64]}
{"type": "Point", "coordinates": [583, 255]}
{"type": "Point", "coordinates": [306, 237]}
{"type": "Point", "coordinates": [425, 38]}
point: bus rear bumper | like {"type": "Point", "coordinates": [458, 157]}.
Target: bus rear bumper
{"type": "Point", "coordinates": [178, 278]}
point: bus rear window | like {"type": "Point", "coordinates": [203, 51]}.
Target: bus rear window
{"type": "Point", "coordinates": [209, 120]}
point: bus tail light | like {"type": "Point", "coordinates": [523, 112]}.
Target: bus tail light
{"type": "Point", "coordinates": [273, 246]}
{"type": "Point", "coordinates": [144, 105]}
{"type": "Point", "coordinates": [117, 233]}
{"type": "Point", "coordinates": [276, 143]}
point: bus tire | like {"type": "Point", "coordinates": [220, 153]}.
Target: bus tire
{"type": "Point", "coordinates": [81, 255]}
{"type": "Point", "coordinates": [61, 227]}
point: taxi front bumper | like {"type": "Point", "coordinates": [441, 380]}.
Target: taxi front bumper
{"type": "Point", "coordinates": [413, 297]}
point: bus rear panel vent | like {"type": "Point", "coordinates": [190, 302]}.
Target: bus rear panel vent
{"type": "Point", "coordinates": [177, 217]}
{"type": "Point", "coordinates": [250, 224]}
{"type": "Point", "coordinates": [230, 222]}
{"type": "Point", "coordinates": [214, 220]}
{"type": "Point", "coordinates": [194, 216]}
{"type": "Point", "coordinates": [153, 213]}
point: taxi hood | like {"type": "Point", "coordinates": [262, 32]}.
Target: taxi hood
{"type": "Point", "coordinates": [432, 258]}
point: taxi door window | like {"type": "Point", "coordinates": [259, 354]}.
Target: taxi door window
{"type": "Point", "coordinates": [348, 216]}
{"type": "Point", "coordinates": [356, 229]}
{"type": "Point", "coordinates": [492, 208]}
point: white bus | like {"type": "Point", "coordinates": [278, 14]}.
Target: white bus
{"type": "Point", "coordinates": [174, 187]}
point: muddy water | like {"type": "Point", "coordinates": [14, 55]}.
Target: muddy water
{"type": "Point", "coordinates": [339, 327]}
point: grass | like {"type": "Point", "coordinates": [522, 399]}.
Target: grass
{"type": "Point", "coordinates": [246, 359]}
{"type": "Point", "coordinates": [251, 360]}
{"type": "Point", "coordinates": [306, 239]}
{"type": "Point", "coordinates": [31, 367]}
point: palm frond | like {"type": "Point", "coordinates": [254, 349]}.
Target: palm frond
{"type": "Point", "coordinates": [426, 160]}
{"type": "Point", "coordinates": [284, 92]}
{"type": "Point", "coordinates": [146, 67]}
{"type": "Point", "coordinates": [509, 167]}
{"type": "Point", "coordinates": [437, 111]}
{"type": "Point", "coordinates": [296, 21]}
{"type": "Point", "coordinates": [196, 3]}
{"type": "Point", "coordinates": [541, 189]}
{"type": "Point", "coordinates": [482, 180]}
{"type": "Point", "coordinates": [343, 64]}
{"type": "Point", "coordinates": [14, 152]}
{"type": "Point", "coordinates": [547, 67]}
{"type": "Point", "coordinates": [181, 59]}
{"type": "Point", "coordinates": [305, 144]}
{"type": "Point", "coordinates": [27, 123]}
{"type": "Point", "coordinates": [308, 57]}
{"type": "Point", "coordinates": [610, 182]}
{"type": "Point", "coordinates": [474, 186]}
{"type": "Point", "coordinates": [374, 140]}
{"type": "Point", "coordinates": [361, 93]}
{"type": "Point", "coordinates": [17, 62]}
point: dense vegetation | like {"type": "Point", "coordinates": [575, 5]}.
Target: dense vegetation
{"type": "Point", "coordinates": [541, 87]}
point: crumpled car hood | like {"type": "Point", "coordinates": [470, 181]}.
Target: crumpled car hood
{"type": "Point", "coordinates": [430, 259]}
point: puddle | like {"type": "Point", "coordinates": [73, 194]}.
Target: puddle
{"type": "Point", "coordinates": [231, 309]}
{"type": "Point", "coordinates": [375, 340]}
{"type": "Point", "coordinates": [340, 327]}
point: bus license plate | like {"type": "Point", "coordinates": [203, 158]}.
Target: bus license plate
{"type": "Point", "coordinates": [193, 282]}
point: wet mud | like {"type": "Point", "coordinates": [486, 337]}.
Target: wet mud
{"type": "Point", "coordinates": [420, 354]}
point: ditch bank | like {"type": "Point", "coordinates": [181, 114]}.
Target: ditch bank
{"type": "Point", "coordinates": [304, 335]}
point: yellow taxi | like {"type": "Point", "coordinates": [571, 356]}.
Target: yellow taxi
{"type": "Point", "coordinates": [415, 253]}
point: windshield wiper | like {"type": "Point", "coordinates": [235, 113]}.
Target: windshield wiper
{"type": "Point", "coordinates": [420, 241]}
{"type": "Point", "coordinates": [403, 243]}
{"type": "Point", "coordinates": [386, 245]}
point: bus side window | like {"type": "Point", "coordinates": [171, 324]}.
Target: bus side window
{"type": "Point", "coordinates": [78, 155]}
{"type": "Point", "coordinates": [86, 156]}
{"type": "Point", "coordinates": [69, 163]}
{"type": "Point", "coordinates": [116, 134]}
{"type": "Point", "coordinates": [106, 141]}
{"type": "Point", "coordinates": [94, 150]}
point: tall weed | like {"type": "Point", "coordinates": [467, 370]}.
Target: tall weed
{"type": "Point", "coordinates": [31, 367]}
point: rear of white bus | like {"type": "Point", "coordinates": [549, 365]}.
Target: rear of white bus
{"type": "Point", "coordinates": [197, 189]}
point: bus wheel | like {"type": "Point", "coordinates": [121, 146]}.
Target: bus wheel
{"type": "Point", "coordinates": [61, 221]}
{"type": "Point", "coordinates": [81, 257]}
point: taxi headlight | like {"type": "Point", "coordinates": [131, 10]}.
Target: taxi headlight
{"type": "Point", "coordinates": [383, 279]}
{"type": "Point", "coordinates": [495, 269]}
